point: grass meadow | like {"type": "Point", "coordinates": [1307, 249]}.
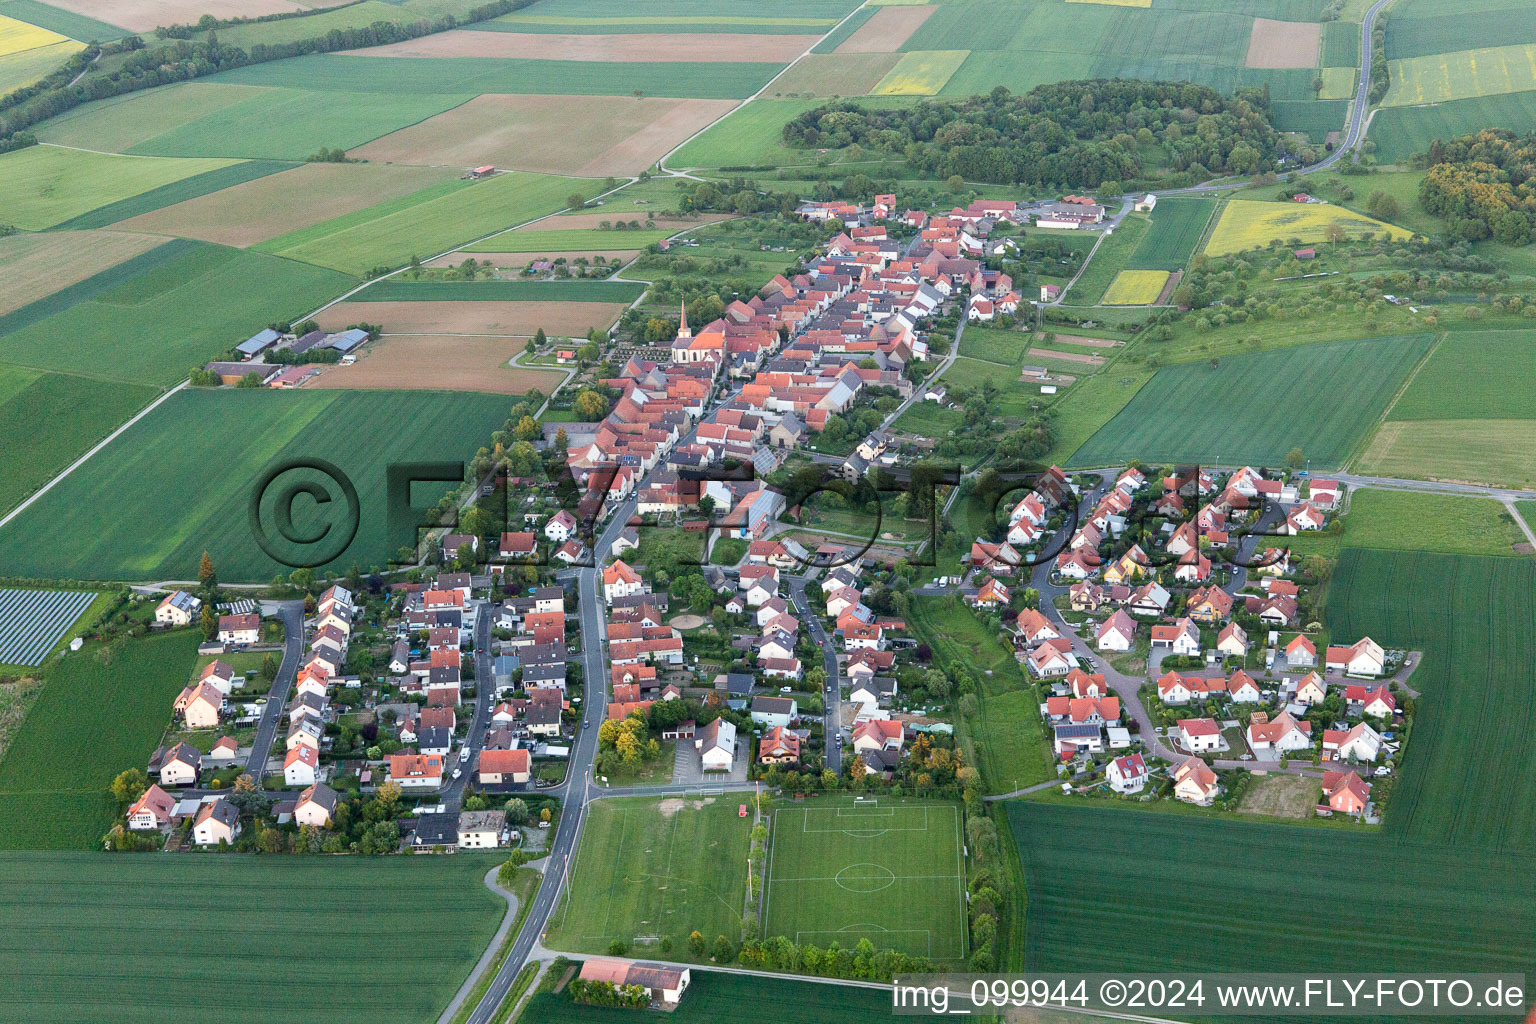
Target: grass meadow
{"type": "Point", "coordinates": [1473, 451]}
{"type": "Point", "coordinates": [837, 870]}
{"type": "Point", "coordinates": [1135, 288]}
{"type": "Point", "coordinates": [1092, 402]}
{"type": "Point", "coordinates": [1321, 398]}
{"type": "Point", "coordinates": [41, 186]}
{"type": "Point", "coordinates": [149, 319]}
{"type": "Point", "coordinates": [655, 868]}
{"type": "Point", "coordinates": [426, 222]}
{"type": "Point", "coordinates": [1253, 224]}
{"type": "Point", "coordinates": [96, 716]}
{"type": "Point", "coordinates": [179, 482]}
{"type": "Point", "coordinates": [74, 927]}
{"type": "Point", "coordinates": [1417, 521]}
{"type": "Point", "coordinates": [538, 240]}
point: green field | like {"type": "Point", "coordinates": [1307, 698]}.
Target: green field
{"type": "Point", "coordinates": [1416, 521]}
{"type": "Point", "coordinates": [1400, 132]}
{"type": "Point", "coordinates": [190, 466]}
{"type": "Point", "coordinates": [1316, 118]}
{"type": "Point", "coordinates": [648, 867]}
{"type": "Point", "coordinates": [51, 418]}
{"type": "Point", "coordinates": [290, 124]}
{"type": "Point", "coordinates": [1341, 43]}
{"type": "Point", "coordinates": [1177, 224]}
{"type": "Point", "coordinates": [160, 315]}
{"type": "Point", "coordinates": [176, 192]}
{"type": "Point", "coordinates": [1255, 408]}
{"type": "Point", "coordinates": [1452, 818]}
{"type": "Point", "coordinates": [838, 870]}
{"type": "Point", "coordinates": [1093, 872]}
{"type": "Point", "coordinates": [1469, 377]}
{"type": "Point", "coordinates": [396, 290]}
{"type": "Point", "coordinates": [536, 241]}
{"type": "Point", "coordinates": [1434, 29]}
{"type": "Point", "coordinates": [28, 67]}
{"type": "Point", "coordinates": [116, 123]}
{"type": "Point", "coordinates": [713, 997]}
{"type": "Point", "coordinates": [44, 185]}
{"type": "Point", "coordinates": [425, 223]}
{"type": "Point", "coordinates": [54, 779]}
{"type": "Point", "coordinates": [396, 76]}
{"type": "Point", "coordinates": [75, 927]}
{"type": "Point", "coordinates": [1111, 257]}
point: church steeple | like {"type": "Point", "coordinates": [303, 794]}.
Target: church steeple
{"type": "Point", "coordinates": [682, 330]}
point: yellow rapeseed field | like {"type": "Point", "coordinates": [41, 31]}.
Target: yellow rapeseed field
{"type": "Point", "coordinates": [1250, 224]}
{"type": "Point", "coordinates": [921, 73]}
{"type": "Point", "coordinates": [1135, 287]}
{"type": "Point", "coordinates": [16, 36]}
{"type": "Point", "coordinates": [1462, 74]}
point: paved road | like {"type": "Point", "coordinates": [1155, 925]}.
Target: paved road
{"type": "Point", "coordinates": [480, 714]}
{"type": "Point", "coordinates": [292, 614]}
{"type": "Point", "coordinates": [832, 711]}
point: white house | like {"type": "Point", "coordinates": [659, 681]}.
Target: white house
{"type": "Point", "coordinates": [772, 711]}
{"type": "Point", "coordinates": [1279, 735]}
{"type": "Point", "coordinates": [619, 580]}
{"type": "Point", "coordinates": [300, 765]}
{"type": "Point", "coordinates": [316, 806]}
{"type": "Point", "coordinates": [1173, 690]}
{"type": "Point", "coordinates": [1199, 735]}
{"type": "Point", "coordinates": [1195, 783]}
{"type": "Point", "coordinates": [180, 765]}
{"type": "Point", "coordinates": [1181, 638]}
{"type": "Point", "coordinates": [1116, 633]}
{"type": "Point", "coordinates": [481, 830]}
{"type": "Point", "coordinates": [416, 771]}
{"type": "Point", "coordinates": [716, 743]}
{"type": "Point", "coordinates": [1232, 641]}
{"type": "Point", "coordinates": [178, 609]}
{"type": "Point", "coordinates": [240, 629]}
{"type": "Point", "coordinates": [151, 810]}
{"type": "Point", "coordinates": [1241, 689]}
{"type": "Point", "coordinates": [560, 527]}
{"type": "Point", "coordinates": [1361, 743]}
{"type": "Point", "coordinates": [1310, 690]}
{"type": "Point", "coordinates": [1364, 657]}
{"type": "Point", "coordinates": [1127, 774]}
{"type": "Point", "coordinates": [218, 822]}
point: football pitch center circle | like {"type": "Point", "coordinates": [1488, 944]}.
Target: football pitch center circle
{"type": "Point", "coordinates": [865, 878]}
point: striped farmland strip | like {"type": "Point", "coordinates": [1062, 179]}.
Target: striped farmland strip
{"type": "Point", "coordinates": [32, 621]}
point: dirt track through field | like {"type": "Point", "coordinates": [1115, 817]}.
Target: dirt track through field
{"type": "Point", "coordinates": [1071, 357]}
{"type": "Point", "coordinates": [887, 30]}
{"type": "Point", "coordinates": [1284, 44]}
{"type": "Point", "coordinates": [503, 319]}
{"type": "Point", "coordinates": [266, 207]}
{"type": "Point", "coordinates": [1168, 287]}
{"type": "Point", "coordinates": [682, 47]}
{"type": "Point", "coordinates": [588, 221]}
{"type": "Point", "coordinates": [619, 134]}
{"type": "Point", "coordinates": [145, 15]}
{"type": "Point", "coordinates": [439, 364]}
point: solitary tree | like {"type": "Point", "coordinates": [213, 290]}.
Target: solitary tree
{"type": "Point", "coordinates": [129, 786]}
{"type": "Point", "coordinates": [205, 573]}
{"type": "Point", "coordinates": [1295, 459]}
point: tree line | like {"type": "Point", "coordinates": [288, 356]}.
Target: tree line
{"type": "Point", "coordinates": [1484, 184]}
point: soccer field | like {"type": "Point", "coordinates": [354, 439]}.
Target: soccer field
{"type": "Point", "coordinates": [880, 869]}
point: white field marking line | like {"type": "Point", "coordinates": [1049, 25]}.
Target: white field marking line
{"type": "Point", "coordinates": [960, 879]}
{"type": "Point", "coordinates": [151, 407]}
